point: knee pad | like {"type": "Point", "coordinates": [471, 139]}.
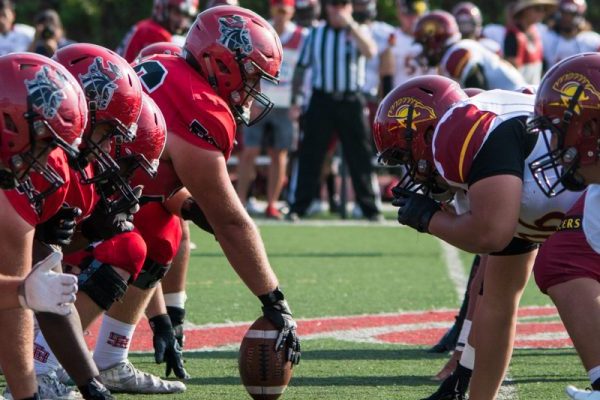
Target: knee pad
{"type": "Point", "coordinates": [152, 272]}
{"type": "Point", "coordinates": [102, 284]}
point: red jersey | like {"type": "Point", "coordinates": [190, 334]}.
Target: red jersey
{"type": "Point", "coordinates": [142, 34]}
{"type": "Point", "coordinates": [162, 187]}
{"type": "Point", "coordinates": [52, 203]}
{"type": "Point", "coordinates": [82, 195]}
{"type": "Point", "coordinates": [192, 109]}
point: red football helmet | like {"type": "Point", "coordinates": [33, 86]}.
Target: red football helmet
{"type": "Point", "coordinates": [568, 105]}
{"type": "Point", "coordinates": [234, 48]}
{"type": "Point", "coordinates": [114, 96]}
{"type": "Point", "coordinates": [469, 20]}
{"type": "Point", "coordinates": [215, 3]}
{"type": "Point", "coordinates": [42, 107]}
{"type": "Point", "coordinates": [159, 48]}
{"type": "Point", "coordinates": [405, 122]}
{"type": "Point", "coordinates": [149, 142]}
{"type": "Point", "coordinates": [436, 31]}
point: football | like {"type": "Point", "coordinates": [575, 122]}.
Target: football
{"type": "Point", "coordinates": [265, 372]}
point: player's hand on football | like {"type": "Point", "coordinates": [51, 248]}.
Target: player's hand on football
{"type": "Point", "coordinates": [276, 310]}
{"type": "Point", "coordinates": [415, 209]}
{"type": "Point", "coordinates": [166, 347]}
{"type": "Point", "coordinates": [59, 229]}
{"type": "Point", "coordinates": [44, 290]}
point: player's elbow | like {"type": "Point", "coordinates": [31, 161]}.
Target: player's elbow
{"type": "Point", "coordinates": [492, 241]}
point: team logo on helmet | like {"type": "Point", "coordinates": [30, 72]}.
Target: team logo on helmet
{"type": "Point", "coordinates": [99, 82]}
{"type": "Point", "coordinates": [46, 94]}
{"type": "Point", "coordinates": [234, 34]}
{"type": "Point", "coordinates": [401, 107]}
{"type": "Point", "coordinates": [567, 85]}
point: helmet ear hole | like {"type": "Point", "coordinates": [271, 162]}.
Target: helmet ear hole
{"type": "Point", "coordinates": [222, 67]}
{"type": "Point", "coordinates": [9, 124]}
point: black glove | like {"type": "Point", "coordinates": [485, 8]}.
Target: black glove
{"type": "Point", "coordinates": [276, 310]}
{"type": "Point", "coordinates": [415, 210]}
{"type": "Point", "coordinates": [59, 229]}
{"type": "Point", "coordinates": [191, 211]}
{"type": "Point", "coordinates": [166, 347]}
{"type": "Point", "coordinates": [102, 226]}
{"type": "Point", "coordinates": [177, 316]}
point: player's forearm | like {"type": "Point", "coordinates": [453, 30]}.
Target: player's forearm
{"type": "Point", "coordinates": [468, 232]}
{"type": "Point", "coordinates": [244, 248]}
{"type": "Point", "coordinates": [9, 287]}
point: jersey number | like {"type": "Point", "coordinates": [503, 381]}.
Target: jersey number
{"type": "Point", "coordinates": [152, 74]}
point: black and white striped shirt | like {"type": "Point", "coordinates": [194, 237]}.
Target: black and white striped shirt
{"type": "Point", "coordinates": [337, 66]}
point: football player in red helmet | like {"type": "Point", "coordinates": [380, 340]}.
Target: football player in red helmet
{"type": "Point", "coordinates": [43, 108]}
{"type": "Point", "coordinates": [169, 18]}
{"type": "Point", "coordinates": [227, 52]}
{"type": "Point", "coordinates": [498, 205]}
{"type": "Point", "coordinates": [159, 48]}
{"type": "Point", "coordinates": [567, 268]}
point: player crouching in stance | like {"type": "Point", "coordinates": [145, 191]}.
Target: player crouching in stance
{"type": "Point", "coordinates": [479, 149]}
{"type": "Point", "coordinates": [202, 94]}
{"type": "Point", "coordinates": [568, 265]}
{"type": "Point", "coordinates": [42, 108]}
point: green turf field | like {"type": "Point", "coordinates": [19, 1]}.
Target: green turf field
{"type": "Point", "coordinates": [343, 271]}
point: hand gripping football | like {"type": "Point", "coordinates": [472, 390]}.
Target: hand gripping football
{"type": "Point", "coordinates": [265, 372]}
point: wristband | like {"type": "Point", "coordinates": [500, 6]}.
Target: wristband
{"type": "Point", "coordinates": [272, 297]}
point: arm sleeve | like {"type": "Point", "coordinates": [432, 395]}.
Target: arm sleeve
{"type": "Point", "coordinates": [504, 152]}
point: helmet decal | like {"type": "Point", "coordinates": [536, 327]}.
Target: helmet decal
{"type": "Point", "coordinates": [98, 83]}
{"type": "Point", "coordinates": [234, 34]}
{"type": "Point", "coordinates": [46, 94]}
{"type": "Point", "coordinates": [400, 108]}
{"type": "Point", "coordinates": [567, 86]}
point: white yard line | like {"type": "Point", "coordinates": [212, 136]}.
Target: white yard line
{"type": "Point", "coordinates": [456, 271]}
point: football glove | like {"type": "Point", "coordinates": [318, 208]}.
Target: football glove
{"type": "Point", "coordinates": [276, 310]}
{"type": "Point", "coordinates": [415, 210]}
{"type": "Point", "coordinates": [191, 211]}
{"type": "Point", "coordinates": [44, 290]}
{"type": "Point", "coordinates": [59, 229]}
{"type": "Point", "coordinates": [166, 347]}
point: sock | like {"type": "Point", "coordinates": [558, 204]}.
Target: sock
{"type": "Point", "coordinates": [464, 335]}
{"type": "Point", "coordinates": [594, 375]}
{"type": "Point", "coordinates": [113, 342]}
{"type": "Point", "coordinates": [176, 299]}
{"type": "Point", "coordinates": [467, 359]}
{"type": "Point", "coordinates": [44, 359]}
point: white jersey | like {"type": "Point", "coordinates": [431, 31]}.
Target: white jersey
{"type": "Point", "coordinates": [406, 54]}
{"type": "Point", "coordinates": [380, 31]}
{"type": "Point", "coordinates": [460, 59]}
{"type": "Point", "coordinates": [18, 39]}
{"type": "Point", "coordinates": [591, 217]}
{"type": "Point", "coordinates": [496, 33]}
{"type": "Point", "coordinates": [291, 41]}
{"type": "Point", "coordinates": [557, 47]}
{"type": "Point", "coordinates": [465, 130]}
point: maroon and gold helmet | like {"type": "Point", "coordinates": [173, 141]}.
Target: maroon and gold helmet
{"type": "Point", "coordinates": [234, 49]}
{"type": "Point", "coordinates": [406, 120]}
{"type": "Point", "coordinates": [568, 105]}
{"type": "Point", "coordinates": [469, 20]}
{"type": "Point", "coordinates": [436, 31]}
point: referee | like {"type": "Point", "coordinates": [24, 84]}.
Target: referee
{"type": "Point", "coordinates": [335, 52]}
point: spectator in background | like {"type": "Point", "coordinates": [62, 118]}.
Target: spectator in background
{"type": "Point", "coordinates": [169, 18]}
{"type": "Point", "coordinates": [522, 43]}
{"type": "Point", "coordinates": [405, 50]}
{"type": "Point", "coordinates": [335, 51]}
{"type": "Point", "coordinates": [13, 37]}
{"type": "Point", "coordinates": [49, 34]}
{"type": "Point", "coordinates": [307, 12]}
{"type": "Point", "coordinates": [570, 34]}
{"type": "Point", "coordinates": [278, 123]}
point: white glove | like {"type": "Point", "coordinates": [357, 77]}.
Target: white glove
{"type": "Point", "coordinates": [48, 291]}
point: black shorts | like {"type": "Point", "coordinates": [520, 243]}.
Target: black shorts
{"type": "Point", "coordinates": [517, 246]}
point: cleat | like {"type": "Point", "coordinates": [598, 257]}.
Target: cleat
{"type": "Point", "coordinates": [50, 388]}
{"type": "Point", "coordinates": [454, 387]}
{"type": "Point", "coordinates": [578, 394]}
{"type": "Point", "coordinates": [126, 378]}
{"type": "Point", "coordinates": [273, 213]}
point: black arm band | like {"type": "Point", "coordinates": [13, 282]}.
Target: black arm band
{"type": "Point", "coordinates": [191, 211]}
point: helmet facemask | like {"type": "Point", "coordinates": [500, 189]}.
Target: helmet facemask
{"type": "Point", "coordinates": [249, 104]}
